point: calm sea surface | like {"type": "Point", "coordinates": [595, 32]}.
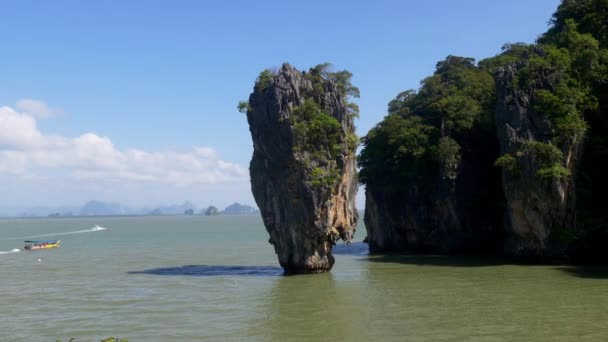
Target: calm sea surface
{"type": "Point", "coordinates": [216, 279]}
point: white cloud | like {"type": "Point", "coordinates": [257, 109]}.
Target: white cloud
{"type": "Point", "coordinates": [27, 153]}
{"type": "Point", "coordinates": [17, 130]}
{"type": "Point", "coordinates": [37, 108]}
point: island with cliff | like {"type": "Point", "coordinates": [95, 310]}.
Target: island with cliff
{"type": "Point", "coordinates": [303, 172]}
{"type": "Point", "coordinates": [504, 156]}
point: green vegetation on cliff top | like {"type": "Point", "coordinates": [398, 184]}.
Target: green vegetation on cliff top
{"type": "Point", "coordinates": [422, 129]}
{"type": "Point", "coordinates": [562, 71]}
{"type": "Point", "coordinates": [566, 75]}
{"type": "Point", "coordinates": [320, 140]}
{"type": "Point", "coordinates": [319, 136]}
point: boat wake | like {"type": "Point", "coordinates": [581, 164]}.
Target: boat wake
{"type": "Point", "coordinates": [11, 251]}
{"type": "Point", "coordinates": [96, 228]}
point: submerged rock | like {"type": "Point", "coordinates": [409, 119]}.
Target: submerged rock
{"type": "Point", "coordinates": [303, 174]}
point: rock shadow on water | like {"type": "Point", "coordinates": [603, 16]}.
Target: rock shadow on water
{"type": "Point", "coordinates": [439, 260]}
{"type": "Point", "coordinates": [355, 248]}
{"type": "Point", "coordinates": [590, 271]}
{"type": "Point", "coordinates": [215, 271]}
{"type": "Point", "coordinates": [586, 271]}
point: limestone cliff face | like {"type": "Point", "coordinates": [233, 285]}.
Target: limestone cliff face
{"type": "Point", "coordinates": [306, 195]}
{"type": "Point", "coordinates": [538, 210]}
{"type": "Point", "coordinates": [422, 218]}
{"type": "Point", "coordinates": [451, 211]}
{"type": "Point", "coordinates": [459, 206]}
{"type": "Point", "coordinates": [428, 166]}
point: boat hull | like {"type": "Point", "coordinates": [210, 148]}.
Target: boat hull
{"type": "Point", "coordinates": [42, 246]}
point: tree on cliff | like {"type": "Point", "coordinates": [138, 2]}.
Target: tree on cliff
{"type": "Point", "coordinates": [580, 29]}
{"type": "Point", "coordinates": [566, 75]}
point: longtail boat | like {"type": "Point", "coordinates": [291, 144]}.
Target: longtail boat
{"type": "Point", "coordinates": [33, 245]}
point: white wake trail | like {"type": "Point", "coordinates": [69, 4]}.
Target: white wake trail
{"type": "Point", "coordinates": [96, 228]}
{"type": "Point", "coordinates": [11, 251]}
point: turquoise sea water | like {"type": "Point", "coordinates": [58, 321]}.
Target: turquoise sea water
{"type": "Point", "coordinates": [217, 279]}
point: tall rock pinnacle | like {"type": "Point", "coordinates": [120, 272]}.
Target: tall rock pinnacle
{"type": "Point", "coordinates": [303, 173]}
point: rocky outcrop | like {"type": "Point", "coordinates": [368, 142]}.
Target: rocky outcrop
{"type": "Point", "coordinates": [422, 218]}
{"type": "Point", "coordinates": [547, 102]}
{"type": "Point", "coordinates": [305, 191]}
{"type": "Point", "coordinates": [540, 213]}
{"type": "Point", "coordinates": [428, 166]}
{"type": "Point", "coordinates": [459, 205]}
{"type": "Point", "coordinates": [451, 211]}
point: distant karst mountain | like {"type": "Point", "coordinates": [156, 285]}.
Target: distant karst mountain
{"type": "Point", "coordinates": [97, 208]}
{"type": "Point", "coordinates": [41, 211]}
{"type": "Point", "coordinates": [101, 208]}
{"type": "Point", "coordinates": [210, 211]}
{"type": "Point", "coordinates": [173, 209]}
{"type": "Point", "coordinates": [239, 209]}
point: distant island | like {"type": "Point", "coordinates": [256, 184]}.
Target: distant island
{"type": "Point", "coordinates": [239, 209]}
{"type": "Point", "coordinates": [100, 208]}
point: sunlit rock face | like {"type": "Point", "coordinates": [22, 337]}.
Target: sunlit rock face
{"type": "Point", "coordinates": [306, 193]}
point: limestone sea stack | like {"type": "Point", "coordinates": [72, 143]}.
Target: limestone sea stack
{"type": "Point", "coordinates": [303, 170]}
{"type": "Point", "coordinates": [540, 210]}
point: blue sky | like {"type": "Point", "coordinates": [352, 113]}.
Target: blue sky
{"type": "Point", "coordinates": [164, 77]}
